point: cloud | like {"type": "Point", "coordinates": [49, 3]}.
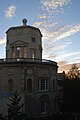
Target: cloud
{"type": "Point", "coordinates": [49, 8]}
{"type": "Point", "coordinates": [54, 34]}
{"type": "Point", "coordinates": [52, 38]}
{"type": "Point", "coordinates": [77, 58]}
{"type": "Point", "coordinates": [53, 51]}
{"type": "Point", "coordinates": [58, 47]}
{"type": "Point", "coordinates": [66, 66]}
{"type": "Point", "coordinates": [74, 62]}
{"type": "Point", "coordinates": [71, 57]}
{"type": "Point", "coordinates": [42, 16]}
{"type": "Point", "coordinates": [50, 29]}
{"type": "Point", "coordinates": [60, 33]}
{"type": "Point", "coordinates": [54, 5]}
{"type": "Point", "coordinates": [51, 56]}
{"type": "Point", "coordinates": [2, 40]}
{"type": "Point", "coordinates": [10, 11]}
{"type": "Point", "coordinates": [69, 54]}
{"type": "Point", "coordinates": [67, 31]}
{"type": "Point", "coordinates": [63, 65]}
{"type": "Point", "coordinates": [45, 24]}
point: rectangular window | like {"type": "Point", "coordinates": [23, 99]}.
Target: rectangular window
{"type": "Point", "coordinates": [43, 107]}
{"type": "Point", "coordinates": [43, 84]}
{"type": "Point", "coordinates": [29, 85]}
{"type": "Point", "coordinates": [33, 54]}
{"type": "Point", "coordinates": [33, 40]}
{"type": "Point", "coordinates": [10, 83]}
{"type": "Point", "coordinates": [18, 52]}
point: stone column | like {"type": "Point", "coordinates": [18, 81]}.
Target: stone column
{"type": "Point", "coordinates": [22, 52]}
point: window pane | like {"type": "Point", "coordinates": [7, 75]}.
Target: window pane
{"type": "Point", "coordinates": [43, 84]}
{"type": "Point", "coordinates": [33, 54]}
{"type": "Point", "coordinates": [33, 39]}
{"type": "Point", "coordinates": [10, 83]}
{"type": "Point", "coordinates": [25, 52]}
{"type": "Point", "coordinates": [29, 85]}
{"type": "Point", "coordinates": [43, 107]}
{"type": "Point", "coordinates": [18, 52]}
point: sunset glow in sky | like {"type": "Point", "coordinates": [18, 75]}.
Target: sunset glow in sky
{"type": "Point", "coordinates": [58, 20]}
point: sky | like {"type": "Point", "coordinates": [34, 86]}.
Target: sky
{"type": "Point", "coordinates": [58, 20]}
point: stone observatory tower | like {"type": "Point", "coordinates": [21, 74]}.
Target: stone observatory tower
{"type": "Point", "coordinates": [24, 42]}
{"type": "Point", "coordinates": [24, 70]}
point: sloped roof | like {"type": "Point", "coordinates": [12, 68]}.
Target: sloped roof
{"type": "Point", "coordinates": [20, 27]}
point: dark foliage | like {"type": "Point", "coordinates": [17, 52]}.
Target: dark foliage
{"type": "Point", "coordinates": [71, 97]}
{"type": "Point", "coordinates": [15, 108]}
{"type": "Point", "coordinates": [2, 117]}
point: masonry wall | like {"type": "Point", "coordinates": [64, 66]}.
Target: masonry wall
{"type": "Point", "coordinates": [20, 73]}
{"type": "Point", "coordinates": [22, 36]}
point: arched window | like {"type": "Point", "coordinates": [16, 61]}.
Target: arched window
{"type": "Point", "coordinates": [29, 85]}
{"type": "Point", "coordinates": [44, 104]}
{"type": "Point", "coordinates": [10, 85]}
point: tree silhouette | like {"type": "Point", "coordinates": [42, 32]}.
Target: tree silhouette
{"type": "Point", "coordinates": [2, 117]}
{"type": "Point", "coordinates": [15, 108]}
{"type": "Point", "coordinates": [73, 72]}
{"type": "Point", "coordinates": [71, 97]}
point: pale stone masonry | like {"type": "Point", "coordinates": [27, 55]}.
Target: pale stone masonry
{"type": "Point", "coordinates": [24, 70]}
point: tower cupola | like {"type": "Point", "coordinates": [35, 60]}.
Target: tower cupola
{"type": "Point", "coordinates": [24, 42]}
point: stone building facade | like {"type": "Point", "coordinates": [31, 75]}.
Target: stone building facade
{"type": "Point", "coordinates": [24, 70]}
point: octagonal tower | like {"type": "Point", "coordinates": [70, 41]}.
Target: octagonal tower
{"type": "Point", "coordinates": [24, 42]}
{"type": "Point", "coordinates": [24, 70]}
